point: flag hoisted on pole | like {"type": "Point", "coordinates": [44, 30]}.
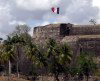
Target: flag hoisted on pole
{"type": "Point", "coordinates": [55, 10]}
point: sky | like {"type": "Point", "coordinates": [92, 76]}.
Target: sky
{"type": "Point", "coordinates": [38, 12]}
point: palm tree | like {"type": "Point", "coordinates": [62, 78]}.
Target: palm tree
{"type": "Point", "coordinates": [1, 53]}
{"type": "Point", "coordinates": [52, 55]}
{"type": "Point", "coordinates": [12, 45]}
{"type": "Point", "coordinates": [36, 56]}
{"type": "Point", "coordinates": [65, 58]}
{"type": "Point", "coordinates": [86, 64]}
{"type": "Point", "coordinates": [20, 38]}
{"type": "Point", "coordinates": [8, 53]}
{"type": "Point", "coordinates": [55, 58]}
{"type": "Point", "coordinates": [59, 57]}
{"type": "Point", "coordinates": [34, 53]}
{"type": "Point", "coordinates": [11, 50]}
{"type": "Point", "coordinates": [18, 42]}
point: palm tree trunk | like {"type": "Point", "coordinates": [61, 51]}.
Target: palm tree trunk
{"type": "Point", "coordinates": [17, 71]}
{"type": "Point", "coordinates": [17, 63]}
{"type": "Point", "coordinates": [9, 71]}
{"type": "Point", "coordinates": [9, 67]}
{"type": "Point", "coordinates": [42, 77]}
{"type": "Point", "coordinates": [87, 78]}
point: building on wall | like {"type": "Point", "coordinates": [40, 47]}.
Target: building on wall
{"type": "Point", "coordinates": [80, 37]}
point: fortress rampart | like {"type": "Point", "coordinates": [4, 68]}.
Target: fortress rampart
{"type": "Point", "coordinates": [59, 31]}
{"type": "Point", "coordinates": [86, 30]}
{"type": "Point", "coordinates": [80, 37]}
{"type": "Point", "coordinates": [88, 36]}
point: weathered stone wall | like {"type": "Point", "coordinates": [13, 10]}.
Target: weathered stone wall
{"type": "Point", "coordinates": [45, 31]}
{"type": "Point", "coordinates": [58, 31]}
{"type": "Point", "coordinates": [90, 45]}
{"type": "Point", "coordinates": [41, 34]}
{"type": "Point", "coordinates": [85, 29]}
{"type": "Point", "coordinates": [86, 43]}
{"type": "Point", "coordinates": [86, 35]}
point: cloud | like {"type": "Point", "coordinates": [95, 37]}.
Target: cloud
{"type": "Point", "coordinates": [5, 18]}
{"type": "Point", "coordinates": [14, 22]}
{"type": "Point", "coordinates": [75, 11]}
{"type": "Point", "coordinates": [80, 12]}
{"type": "Point", "coordinates": [35, 4]}
{"type": "Point", "coordinates": [37, 12]}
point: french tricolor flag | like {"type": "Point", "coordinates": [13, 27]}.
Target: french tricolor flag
{"type": "Point", "coordinates": [55, 10]}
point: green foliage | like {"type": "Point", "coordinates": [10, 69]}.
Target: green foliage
{"type": "Point", "coordinates": [55, 58]}
{"type": "Point", "coordinates": [86, 64]}
{"type": "Point", "coordinates": [18, 38]}
{"type": "Point", "coordinates": [58, 57]}
{"type": "Point", "coordinates": [65, 54]}
{"type": "Point", "coordinates": [8, 50]}
{"type": "Point", "coordinates": [34, 54]}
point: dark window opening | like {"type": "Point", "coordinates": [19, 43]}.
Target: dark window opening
{"type": "Point", "coordinates": [67, 31]}
{"type": "Point", "coordinates": [64, 30]}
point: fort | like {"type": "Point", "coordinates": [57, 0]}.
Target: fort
{"type": "Point", "coordinates": [80, 37]}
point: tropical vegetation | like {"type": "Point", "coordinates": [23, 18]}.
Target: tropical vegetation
{"type": "Point", "coordinates": [51, 59]}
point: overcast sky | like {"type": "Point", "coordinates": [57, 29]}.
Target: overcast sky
{"type": "Point", "coordinates": [38, 12]}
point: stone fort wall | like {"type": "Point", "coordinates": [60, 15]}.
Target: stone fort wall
{"type": "Point", "coordinates": [59, 31]}
{"type": "Point", "coordinates": [80, 37]}
{"type": "Point", "coordinates": [86, 30]}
